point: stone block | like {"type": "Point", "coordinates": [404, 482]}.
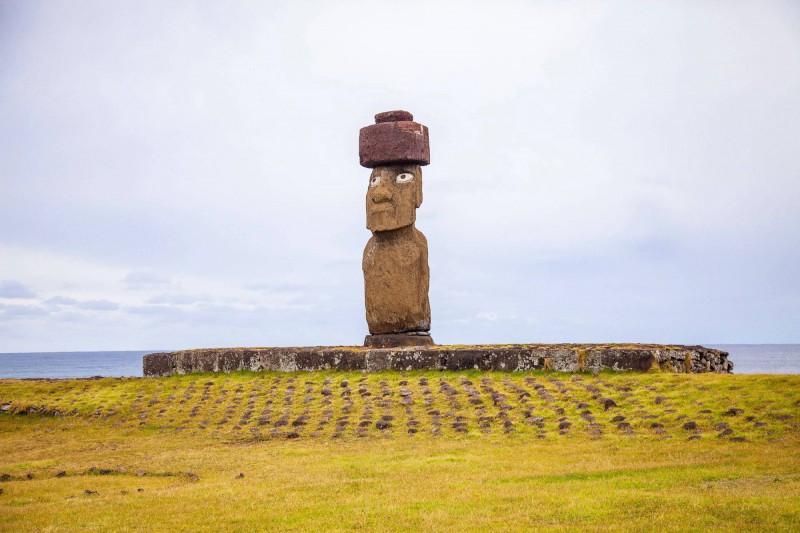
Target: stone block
{"type": "Point", "coordinates": [392, 143]}
{"type": "Point", "coordinates": [395, 340]}
{"type": "Point", "coordinates": [503, 358]}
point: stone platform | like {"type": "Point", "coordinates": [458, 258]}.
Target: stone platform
{"type": "Point", "coordinates": [496, 357]}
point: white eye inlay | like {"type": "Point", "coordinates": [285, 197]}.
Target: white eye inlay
{"type": "Point", "coordinates": [374, 181]}
{"type": "Point", "coordinates": [405, 177]}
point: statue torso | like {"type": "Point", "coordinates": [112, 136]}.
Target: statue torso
{"type": "Point", "coordinates": [396, 279]}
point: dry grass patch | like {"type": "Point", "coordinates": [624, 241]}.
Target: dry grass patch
{"type": "Point", "coordinates": [466, 451]}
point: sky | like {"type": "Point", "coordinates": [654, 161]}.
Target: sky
{"type": "Point", "coordinates": [185, 174]}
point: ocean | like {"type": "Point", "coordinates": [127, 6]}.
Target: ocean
{"type": "Point", "coordinates": [72, 364]}
{"type": "Point", "coordinates": [747, 359]}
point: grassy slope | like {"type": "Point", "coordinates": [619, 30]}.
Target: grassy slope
{"type": "Point", "coordinates": [465, 467]}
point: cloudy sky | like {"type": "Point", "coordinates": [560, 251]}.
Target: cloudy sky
{"type": "Point", "coordinates": [185, 174]}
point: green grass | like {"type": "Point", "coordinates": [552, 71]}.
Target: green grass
{"type": "Point", "coordinates": [473, 461]}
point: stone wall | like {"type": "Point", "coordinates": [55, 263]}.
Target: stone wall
{"type": "Point", "coordinates": [518, 357]}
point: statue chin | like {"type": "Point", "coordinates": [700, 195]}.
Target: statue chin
{"type": "Point", "coordinates": [379, 222]}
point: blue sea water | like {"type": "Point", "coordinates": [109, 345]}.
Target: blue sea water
{"type": "Point", "coordinates": [762, 358]}
{"type": "Point", "coordinates": [71, 364]}
{"type": "Point", "coordinates": [747, 359]}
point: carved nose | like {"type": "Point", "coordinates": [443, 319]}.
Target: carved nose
{"type": "Point", "coordinates": [381, 194]}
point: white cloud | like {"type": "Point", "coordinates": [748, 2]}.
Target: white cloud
{"type": "Point", "coordinates": [98, 305]}
{"type": "Point", "coordinates": [11, 289]}
{"type": "Point", "coordinates": [145, 279]}
{"type": "Point", "coordinates": [600, 171]}
{"type": "Point", "coordinates": [61, 300]}
{"type": "Point", "coordinates": [11, 312]}
{"type": "Point", "coordinates": [176, 299]}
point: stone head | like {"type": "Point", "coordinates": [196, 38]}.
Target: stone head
{"type": "Point", "coordinates": [393, 196]}
{"type": "Point", "coordinates": [395, 148]}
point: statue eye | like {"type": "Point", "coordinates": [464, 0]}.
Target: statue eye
{"type": "Point", "coordinates": [405, 177]}
{"type": "Point", "coordinates": [374, 180]}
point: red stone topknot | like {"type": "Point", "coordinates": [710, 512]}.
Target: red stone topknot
{"type": "Point", "coordinates": [394, 139]}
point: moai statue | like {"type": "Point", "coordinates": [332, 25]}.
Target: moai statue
{"type": "Point", "coordinates": [395, 264]}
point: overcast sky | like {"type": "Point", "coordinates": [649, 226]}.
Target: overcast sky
{"type": "Point", "coordinates": [185, 174]}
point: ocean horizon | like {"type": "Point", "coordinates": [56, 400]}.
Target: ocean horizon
{"type": "Point", "coordinates": [747, 359]}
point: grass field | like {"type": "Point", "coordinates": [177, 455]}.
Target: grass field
{"type": "Point", "coordinates": [390, 451]}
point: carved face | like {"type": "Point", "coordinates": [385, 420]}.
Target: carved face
{"type": "Point", "coordinates": [394, 194]}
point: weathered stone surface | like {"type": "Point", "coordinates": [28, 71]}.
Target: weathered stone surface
{"type": "Point", "coordinates": [396, 340]}
{"type": "Point", "coordinates": [393, 196]}
{"type": "Point", "coordinates": [394, 138]}
{"type": "Point", "coordinates": [394, 116]}
{"type": "Point", "coordinates": [396, 282]}
{"type": "Point", "coordinates": [519, 357]}
{"type": "Point", "coordinates": [395, 261]}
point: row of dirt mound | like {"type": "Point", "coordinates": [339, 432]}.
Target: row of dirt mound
{"type": "Point", "coordinates": [353, 405]}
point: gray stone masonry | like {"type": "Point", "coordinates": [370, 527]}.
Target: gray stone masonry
{"type": "Point", "coordinates": [510, 358]}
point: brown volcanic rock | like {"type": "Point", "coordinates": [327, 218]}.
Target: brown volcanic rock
{"type": "Point", "coordinates": [393, 196]}
{"type": "Point", "coordinates": [395, 261]}
{"type": "Point", "coordinates": [396, 280]}
{"type": "Point", "coordinates": [397, 340]}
